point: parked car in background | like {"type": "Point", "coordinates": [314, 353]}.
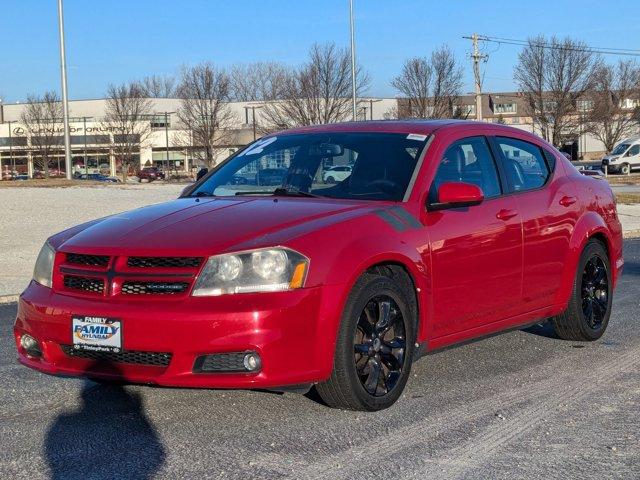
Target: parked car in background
{"type": "Point", "coordinates": [624, 157]}
{"type": "Point", "coordinates": [98, 177]}
{"type": "Point", "coordinates": [150, 174]}
{"type": "Point", "coordinates": [445, 231]}
{"type": "Point", "coordinates": [271, 176]}
{"type": "Point", "coordinates": [336, 173]}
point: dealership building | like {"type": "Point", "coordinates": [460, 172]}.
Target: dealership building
{"type": "Point", "coordinates": [165, 146]}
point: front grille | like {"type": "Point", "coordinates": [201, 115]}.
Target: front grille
{"type": "Point", "coordinates": [220, 362]}
{"type": "Point", "coordinates": [153, 288]}
{"type": "Point", "coordinates": [164, 262]}
{"type": "Point", "coordinates": [90, 260]}
{"type": "Point", "coordinates": [158, 359]}
{"type": "Point", "coordinates": [86, 284]}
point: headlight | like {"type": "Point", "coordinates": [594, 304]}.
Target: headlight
{"type": "Point", "coordinates": [43, 270]}
{"type": "Point", "coordinates": [262, 270]}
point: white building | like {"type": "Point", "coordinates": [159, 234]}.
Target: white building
{"type": "Point", "coordinates": [166, 146]}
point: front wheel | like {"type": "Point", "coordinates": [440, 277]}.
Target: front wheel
{"type": "Point", "coordinates": [374, 349]}
{"type": "Point", "coordinates": [587, 315]}
{"type": "Point", "coordinates": [625, 169]}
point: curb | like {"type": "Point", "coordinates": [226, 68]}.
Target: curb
{"type": "Point", "coordinates": [631, 234]}
{"type": "Point", "coordinates": [4, 299]}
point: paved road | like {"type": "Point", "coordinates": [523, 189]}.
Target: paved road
{"type": "Point", "coordinates": [519, 405]}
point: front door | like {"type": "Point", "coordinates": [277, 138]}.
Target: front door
{"type": "Point", "coordinates": [476, 251]}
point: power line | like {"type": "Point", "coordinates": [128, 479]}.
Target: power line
{"type": "Point", "coordinates": [558, 46]}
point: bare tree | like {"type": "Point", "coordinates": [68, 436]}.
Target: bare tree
{"type": "Point", "coordinates": [42, 120]}
{"type": "Point", "coordinates": [257, 81]}
{"type": "Point", "coordinates": [431, 85]}
{"type": "Point", "coordinates": [127, 113]}
{"type": "Point", "coordinates": [552, 76]}
{"type": "Point", "coordinates": [156, 86]}
{"type": "Point", "coordinates": [204, 112]}
{"type": "Point", "coordinates": [318, 92]}
{"type": "Point", "coordinates": [607, 119]}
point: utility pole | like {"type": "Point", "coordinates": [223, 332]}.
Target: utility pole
{"type": "Point", "coordinates": [65, 100]}
{"type": "Point", "coordinates": [353, 63]}
{"type": "Point", "coordinates": [476, 56]}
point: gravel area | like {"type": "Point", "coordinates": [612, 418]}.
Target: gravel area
{"type": "Point", "coordinates": [31, 215]}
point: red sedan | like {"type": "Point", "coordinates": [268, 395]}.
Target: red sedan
{"type": "Point", "coordinates": [444, 231]}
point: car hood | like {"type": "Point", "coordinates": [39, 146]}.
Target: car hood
{"type": "Point", "coordinates": [205, 226]}
{"type": "Point", "coordinates": [611, 157]}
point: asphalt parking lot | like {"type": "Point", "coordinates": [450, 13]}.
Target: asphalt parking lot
{"type": "Point", "coordinates": [518, 405]}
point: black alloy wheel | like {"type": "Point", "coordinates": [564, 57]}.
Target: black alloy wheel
{"type": "Point", "coordinates": [595, 292]}
{"type": "Point", "coordinates": [380, 345]}
{"type": "Point", "coordinates": [587, 314]}
{"type": "Point", "coordinates": [375, 343]}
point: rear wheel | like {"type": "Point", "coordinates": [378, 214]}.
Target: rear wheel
{"type": "Point", "coordinates": [625, 169]}
{"type": "Point", "coordinates": [374, 349]}
{"type": "Point", "coordinates": [587, 315]}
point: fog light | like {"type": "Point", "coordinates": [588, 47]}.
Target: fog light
{"type": "Point", "coordinates": [30, 345]}
{"type": "Point", "coordinates": [252, 362]}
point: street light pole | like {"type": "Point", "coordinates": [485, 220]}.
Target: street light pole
{"type": "Point", "coordinates": [353, 63]}
{"type": "Point", "coordinates": [166, 138]}
{"type": "Point", "coordinates": [65, 100]}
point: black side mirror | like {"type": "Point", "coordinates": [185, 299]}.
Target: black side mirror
{"type": "Point", "coordinates": [201, 173]}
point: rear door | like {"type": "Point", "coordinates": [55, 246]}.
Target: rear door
{"type": "Point", "coordinates": [547, 203]}
{"type": "Point", "coordinates": [476, 251]}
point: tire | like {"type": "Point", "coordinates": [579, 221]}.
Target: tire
{"type": "Point", "coordinates": [574, 323]}
{"type": "Point", "coordinates": [350, 386]}
{"type": "Point", "coordinates": [625, 169]}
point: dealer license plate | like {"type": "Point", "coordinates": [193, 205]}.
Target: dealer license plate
{"type": "Point", "coordinates": [99, 334]}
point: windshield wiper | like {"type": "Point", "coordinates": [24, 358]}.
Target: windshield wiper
{"type": "Point", "coordinates": [202, 194]}
{"type": "Point", "coordinates": [291, 192]}
{"type": "Point", "coordinates": [259, 192]}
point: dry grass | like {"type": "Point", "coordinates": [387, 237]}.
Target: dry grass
{"type": "Point", "coordinates": [50, 183]}
{"type": "Point", "coordinates": [628, 198]}
{"type": "Point", "coordinates": [633, 179]}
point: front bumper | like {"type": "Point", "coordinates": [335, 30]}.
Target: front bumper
{"type": "Point", "coordinates": [293, 332]}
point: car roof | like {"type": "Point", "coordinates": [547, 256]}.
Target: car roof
{"type": "Point", "coordinates": [425, 127]}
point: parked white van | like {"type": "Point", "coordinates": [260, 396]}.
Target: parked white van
{"type": "Point", "coordinates": [624, 157]}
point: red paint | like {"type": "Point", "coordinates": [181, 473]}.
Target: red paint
{"type": "Point", "coordinates": [451, 193]}
{"type": "Point", "coordinates": [504, 262]}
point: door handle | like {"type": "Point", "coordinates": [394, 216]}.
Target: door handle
{"type": "Point", "coordinates": [506, 214]}
{"type": "Point", "coordinates": [567, 201]}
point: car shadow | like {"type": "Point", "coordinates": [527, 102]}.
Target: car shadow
{"type": "Point", "coordinates": [108, 436]}
{"type": "Point", "coordinates": [542, 329]}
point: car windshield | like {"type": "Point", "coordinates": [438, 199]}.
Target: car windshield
{"type": "Point", "coordinates": [620, 149]}
{"type": "Point", "coordinates": [380, 166]}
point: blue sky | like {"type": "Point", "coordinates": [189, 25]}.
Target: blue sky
{"type": "Point", "coordinates": [111, 41]}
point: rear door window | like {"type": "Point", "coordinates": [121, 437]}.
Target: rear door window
{"type": "Point", "coordinates": [524, 164]}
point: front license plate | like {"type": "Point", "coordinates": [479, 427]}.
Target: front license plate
{"type": "Point", "coordinates": [99, 334]}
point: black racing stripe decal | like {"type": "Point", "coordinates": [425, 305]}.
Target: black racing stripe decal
{"type": "Point", "coordinates": [392, 220]}
{"type": "Point", "coordinates": [407, 217]}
